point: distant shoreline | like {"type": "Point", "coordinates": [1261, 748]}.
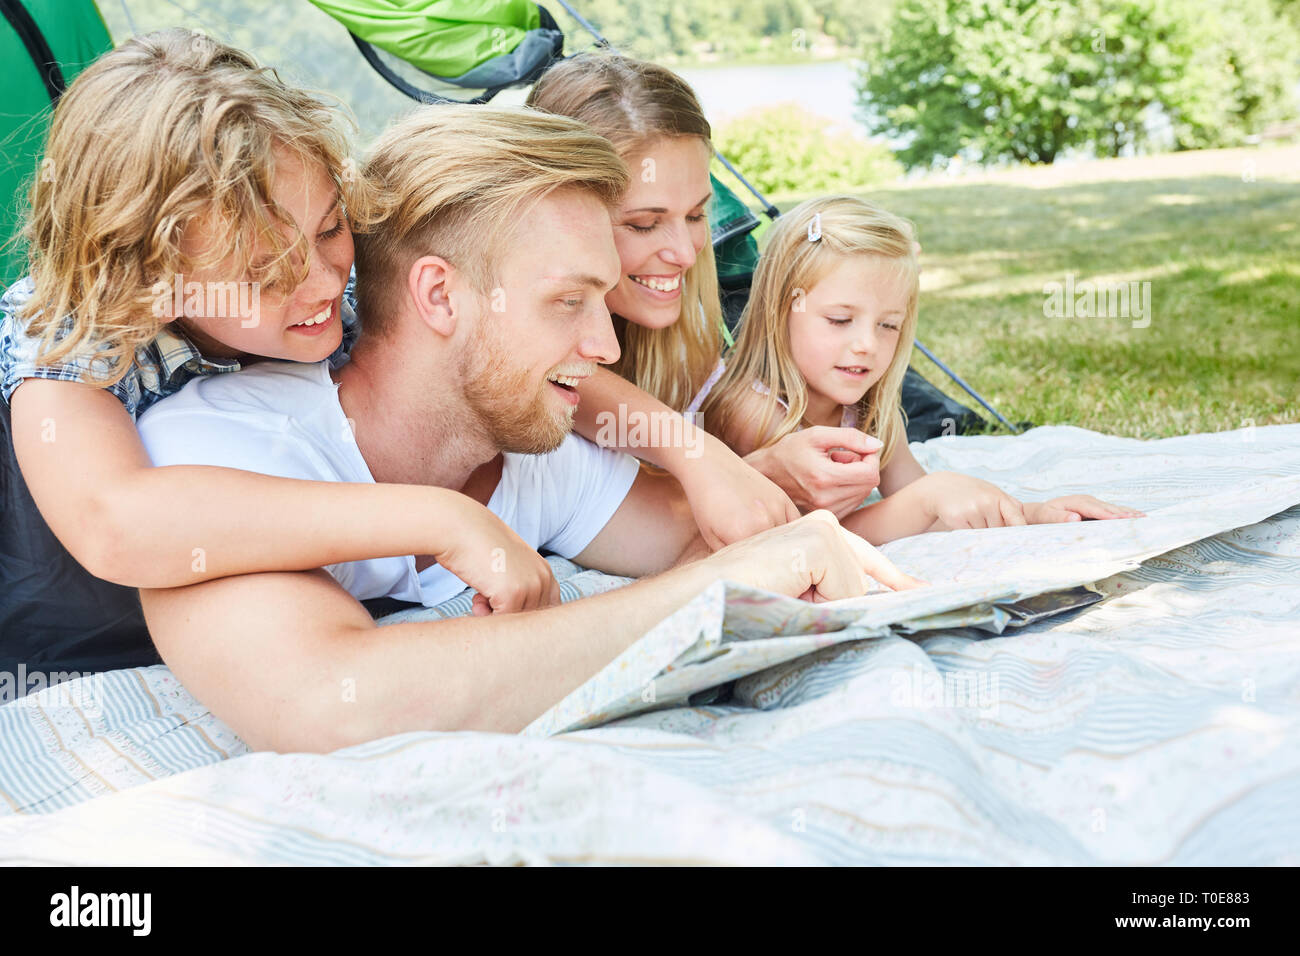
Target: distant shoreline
{"type": "Point", "coordinates": [795, 60]}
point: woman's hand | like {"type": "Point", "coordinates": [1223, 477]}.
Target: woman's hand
{"type": "Point", "coordinates": [834, 469]}
{"type": "Point", "coordinates": [729, 499]}
{"type": "Point", "coordinates": [485, 553]}
{"type": "Point", "coordinates": [959, 501]}
{"type": "Point", "coordinates": [1075, 508]}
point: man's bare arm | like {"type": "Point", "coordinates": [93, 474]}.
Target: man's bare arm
{"type": "Point", "coordinates": [292, 662]}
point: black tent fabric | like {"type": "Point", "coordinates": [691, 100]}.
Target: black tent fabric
{"type": "Point", "coordinates": [932, 414]}
{"type": "Point", "coordinates": [52, 613]}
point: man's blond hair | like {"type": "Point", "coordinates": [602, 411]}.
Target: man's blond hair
{"type": "Point", "coordinates": [454, 181]}
{"type": "Point", "coordinates": [168, 128]}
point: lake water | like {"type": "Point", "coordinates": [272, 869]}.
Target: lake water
{"type": "Point", "coordinates": [823, 88]}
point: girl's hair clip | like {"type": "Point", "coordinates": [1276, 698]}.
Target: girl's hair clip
{"type": "Point", "coordinates": [815, 228]}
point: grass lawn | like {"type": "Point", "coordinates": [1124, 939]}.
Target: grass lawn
{"type": "Point", "coordinates": [1215, 233]}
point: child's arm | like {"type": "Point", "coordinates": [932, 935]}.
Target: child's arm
{"type": "Point", "coordinates": [946, 501]}
{"type": "Point", "coordinates": [729, 500]}
{"type": "Point", "coordinates": [941, 501]}
{"type": "Point", "coordinates": [800, 464]}
{"type": "Point", "coordinates": [900, 515]}
{"type": "Point", "coordinates": [903, 469]}
{"type": "Point", "coordinates": [131, 523]}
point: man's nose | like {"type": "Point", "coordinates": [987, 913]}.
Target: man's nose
{"type": "Point", "coordinates": [599, 344]}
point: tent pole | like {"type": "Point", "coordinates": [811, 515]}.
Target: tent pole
{"type": "Point", "coordinates": [969, 391]}
{"type": "Point", "coordinates": [582, 22]}
{"type": "Point", "coordinates": [768, 209]}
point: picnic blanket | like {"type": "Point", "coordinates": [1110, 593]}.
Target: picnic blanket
{"type": "Point", "coordinates": [1158, 726]}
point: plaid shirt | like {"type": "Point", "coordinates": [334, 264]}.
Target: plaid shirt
{"type": "Point", "coordinates": [161, 367]}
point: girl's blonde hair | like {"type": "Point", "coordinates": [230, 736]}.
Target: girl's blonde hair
{"type": "Point", "coordinates": [167, 128]}
{"type": "Point", "coordinates": [455, 180]}
{"type": "Point", "coordinates": [633, 103]}
{"type": "Point", "coordinates": [791, 265]}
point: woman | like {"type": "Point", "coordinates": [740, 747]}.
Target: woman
{"type": "Point", "coordinates": [666, 307]}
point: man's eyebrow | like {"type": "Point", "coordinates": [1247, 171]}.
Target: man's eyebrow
{"type": "Point", "coordinates": [661, 210]}
{"type": "Point", "coordinates": [579, 278]}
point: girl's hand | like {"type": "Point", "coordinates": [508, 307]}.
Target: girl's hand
{"type": "Point", "coordinates": [822, 468]}
{"type": "Point", "coordinates": [960, 501]}
{"type": "Point", "coordinates": [730, 500]}
{"type": "Point", "coordinates": [1075, 508]}
{"type": "Point", "coordinates": [486, 554]}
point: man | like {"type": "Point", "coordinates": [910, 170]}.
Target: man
{"type": "Point", "coordinates": [482, 279]}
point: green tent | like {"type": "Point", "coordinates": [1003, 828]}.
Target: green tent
{"type": "Point", "coordinates": [44, 44]}
{"type": "Point", "coordinates": [470, 44]}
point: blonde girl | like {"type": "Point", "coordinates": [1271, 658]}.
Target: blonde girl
{"type": "Point", "coordinates": [190, 215]}
{"type": "Point", "coordinates": [824, 343]}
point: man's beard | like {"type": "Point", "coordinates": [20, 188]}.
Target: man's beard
{"type": "Point", "coordinates": [518, 418]}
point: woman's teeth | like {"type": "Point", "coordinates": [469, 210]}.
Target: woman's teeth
{"type": "Point", "coordinates": [659, 285]}
{"type": "Point", "coordinates": [324, 316]}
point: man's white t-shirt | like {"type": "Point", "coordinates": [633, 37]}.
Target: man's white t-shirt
{"type": "Point", "coordinates": [284, 419]}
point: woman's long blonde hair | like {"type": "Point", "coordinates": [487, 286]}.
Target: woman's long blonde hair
{"type": "Point", "coordinates": [791, 265]}
{"type": "Point", "coordinates": [167, 128]}
{"type": "Point", "coordinates": [632, 103]}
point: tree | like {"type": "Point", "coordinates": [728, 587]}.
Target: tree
{"type": "Point", "coordinates": [1023, 80]}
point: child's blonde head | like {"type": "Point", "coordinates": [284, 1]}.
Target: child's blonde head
{"type": "Point", "coordinates": [791, 265]}
{"type": "Point", "coordinates": [168, 128]}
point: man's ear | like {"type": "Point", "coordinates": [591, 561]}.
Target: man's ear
{"type": "Point", "coordinates": [427, 283]}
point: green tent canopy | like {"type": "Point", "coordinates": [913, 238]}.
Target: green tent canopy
{"type": "Point", "coordinates": [473, 44]}
{"type": "Point", "coordinates": [44, 44]}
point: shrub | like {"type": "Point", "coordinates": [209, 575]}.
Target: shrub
{"type": "Point", "coordinates": [783, 149]}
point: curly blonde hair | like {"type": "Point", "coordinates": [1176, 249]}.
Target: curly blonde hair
{"type": "Point", "coordinates": [168, 128]}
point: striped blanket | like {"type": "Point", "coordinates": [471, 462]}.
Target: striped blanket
{"type": "Point", "coordinates": [1160, 725]}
